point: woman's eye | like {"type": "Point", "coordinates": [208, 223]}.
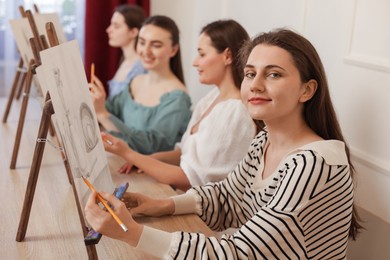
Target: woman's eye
{"type": "Point", "coordinates": [249, 74]}
{"type": "Point", "coordinates": [274, 75]}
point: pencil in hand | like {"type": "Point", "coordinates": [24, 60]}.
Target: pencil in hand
{"type": "Point", "coordinates": [92, 78]}
{"type": "Point", "coordinates": [107, 141]}
{"type": "Point", "coordinates": [101, 199]}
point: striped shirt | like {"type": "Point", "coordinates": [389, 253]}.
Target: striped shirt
{"type": "Point", "coordinates": [302, 211]}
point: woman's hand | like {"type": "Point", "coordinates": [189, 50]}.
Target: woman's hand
{"type": "Point", "coordinates": [114, 145]}
{"type": "Point", "coordinates": [98, 97]}
{"type": "Point", "coordinates": [127, 167]}
{"type": "Point", "coordinates": [139, 204]}
{"type": "Point", "coordinates": [104, 223]}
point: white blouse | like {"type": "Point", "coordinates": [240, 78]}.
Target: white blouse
{"type": "Point", "coordinates": [222, 140]}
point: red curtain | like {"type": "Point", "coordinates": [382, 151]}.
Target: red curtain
{"type": "Point", "coordinates": [97, 19]}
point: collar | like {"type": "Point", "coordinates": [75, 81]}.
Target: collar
{"type": "Point", "coordinates": [333, 151]}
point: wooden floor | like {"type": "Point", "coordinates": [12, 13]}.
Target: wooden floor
{"type": "Point", "coordinates": [49, 235]}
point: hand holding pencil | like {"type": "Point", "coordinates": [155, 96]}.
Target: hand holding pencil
{"type": "Point", "coordinates": [114, 145]}
{"type": "Point", "coordinates": [98, 93]}
{"type": "Point", "coordinates": [100, 198]}
{"type": "Point", "coordinates": [105, 223]}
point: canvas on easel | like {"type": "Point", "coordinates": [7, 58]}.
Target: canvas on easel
{"type": "Point", "coordinates": [62, 73]}
{"type": "Point", "coordinates": [46, 119]}
{"type": "Point", "coordinates": [24, 30]}
{"type": "Point", "coordinates": [22, 33]}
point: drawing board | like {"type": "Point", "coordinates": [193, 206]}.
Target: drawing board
{"type": "Point", "coordinates": [22, 32]}
{"type": "Point", "coordinates": [62, 74]}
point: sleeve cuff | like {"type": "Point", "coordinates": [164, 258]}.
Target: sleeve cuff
{"type": "Point", "coordinates": [155, 242]}
{"type": "Point", "coordinates": [187, 203]}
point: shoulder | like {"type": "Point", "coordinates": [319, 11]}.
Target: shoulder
{"type": "Point", "coordinates": [177, 85]}
{"type": "Point", "coordinates": [176, 97]}
{"type": "Point", "coordinates": [314, 161]}
{"type": "Point", "coordinates": [138, 82]}
{"type": "Point", "coordinates": [233, 110]}
{"type": "Point", "coordinates": [207, 99]}
{"type": "Point", "coordinates": [332, 151]}
{"type": "Point", "coordinates": [211, 95]}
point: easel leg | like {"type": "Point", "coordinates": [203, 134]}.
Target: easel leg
{"type": "Point", "coordinates": [36, 165]}
{"type": "Point", "coordinates": [51, 130]}
{"type": "Point", "coordinates": [91, 249]}
{"type": "Point", "coordinates": [33, 179]}
{"type": "Point", "coordinates": [13, 90]}
{"type": "Point", "coordinates": [22, 115]}
{"type": "Point", "coordinates": [21, 86]}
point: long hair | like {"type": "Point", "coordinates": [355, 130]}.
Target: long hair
{"type": "Point", "coordinates": [318, 112]}
{"type": "Point", "coordinates": [228, 34]}
{"type": "Point", "coordinates": [169, 25]}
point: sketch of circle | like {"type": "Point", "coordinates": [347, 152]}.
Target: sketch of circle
{"type": "Point", "coordinates": [89, 127]}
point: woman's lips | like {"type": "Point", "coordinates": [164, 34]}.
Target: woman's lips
{"type": "Point", "coordinates": [258, 100]}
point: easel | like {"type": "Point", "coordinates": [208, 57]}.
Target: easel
{"type": "Point", "coordinates": [39, 42]}
{"type": "Point", "coordinates": [17, 85]}
{"type": "Point", "coordinates": [48, 111]}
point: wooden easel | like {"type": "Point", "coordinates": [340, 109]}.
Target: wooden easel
{"type": "Point", "coordinates": [48, 111]}
{"type": "Point", "coordinates": [17, 85]}
{"type": "Point", "coordinates": [37, 44]}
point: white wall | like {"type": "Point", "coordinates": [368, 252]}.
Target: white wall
{"type": "Point", "coordinates": [352, 38]}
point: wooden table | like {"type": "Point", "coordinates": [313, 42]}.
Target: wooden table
{"type": "Point", "coordinates": [144, 184]}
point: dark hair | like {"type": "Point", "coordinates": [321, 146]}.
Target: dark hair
{"type": "Point", "coordinates": [169, 25]}
{"type": "Point", "coordinates": [318, 112]}
{"type": "Point", "coordinates": [134, 15]}
{"type": "Point", "coordinates": [228, 34]}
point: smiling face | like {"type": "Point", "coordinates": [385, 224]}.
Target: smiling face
{"type": "Point", "coordinates": [155, 47]}
{"type": "Point", "coordinates": [119, 34]}
{"type": "Point", "coordinates": [272, 88]}
{"type": "Point", "coordinates": [210, 64]}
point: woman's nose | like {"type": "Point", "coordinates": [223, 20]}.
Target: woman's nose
{"type": "Point", "coordinates": [257, 85]}
{"type": "Point", "coordinates": [195, 62]}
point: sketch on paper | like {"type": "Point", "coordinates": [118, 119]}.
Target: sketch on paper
{"type": "Point", "coordinates": [88, 126]}
{"type": "Point", "coordinates": [63, 74]}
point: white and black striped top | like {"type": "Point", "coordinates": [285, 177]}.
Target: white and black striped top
{"type": "Point", "coordinates": [302, 211]}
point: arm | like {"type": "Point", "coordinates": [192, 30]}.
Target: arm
{"type": "Point", "coordinates": [170, 157]}
{"type": "Point", "coordinates": [99, 96]}
{"type": "Point", "coordinates": [163, 172]}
